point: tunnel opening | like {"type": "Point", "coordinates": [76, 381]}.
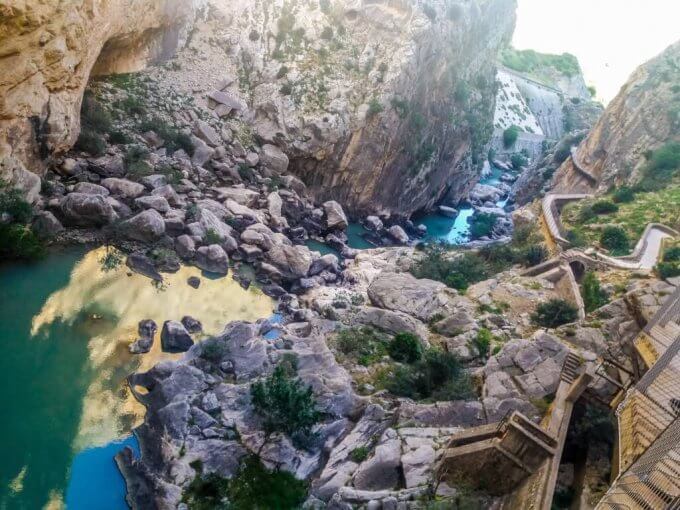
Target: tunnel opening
{"type": "Point", "coordinates": [579, 270]}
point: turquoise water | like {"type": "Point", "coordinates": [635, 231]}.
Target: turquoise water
{"type": "Point", "coordinates": [95, 480]}
{"type": "Point", "coordinates": [65, 327]}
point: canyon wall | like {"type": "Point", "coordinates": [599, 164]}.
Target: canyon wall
{"type": "Point", "coordinates": [49, 49]}
{"type": "Point", "coordinates": [643, 116]}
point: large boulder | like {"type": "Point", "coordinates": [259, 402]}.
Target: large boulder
{"type": "Point", "coordinates": [241, 196]}
{"type": "Point", "coordinates": [335, 216]}
{"type": "Point", "coordinates": [156, 202]}
{"type": "Point", "coordinates": [90, 188]}
{"type": "Point", "coordinates": [147, 226]}
{"type": "Point", "coordinates": [83, 210]}
{"type": "Point", "coordinates": [46, 226]}
{"type": "Point", "coordinates": [123, 188]}
{"type": "Point", "coordinates": [15, 174]}
{"type": "Point", "coordinates": [274, 158]}
{"type": "Point", "coordinates": [381, 471]}
{"type": "Point", "coordinates": [212, 259]}
{"type": "Point", "coordinates": [404, 293]}
{"type": "Point", "coordinates": [175, 337]}
{"type": "Point", "coordinates": [292, 261]}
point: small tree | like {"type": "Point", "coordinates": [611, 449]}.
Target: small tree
{"type": "Point", "coordinates": [593, 295]}
{"type": "Point", "coordinates": [554, 313]}
{"type": "Point", "coordinates": [614, 239]}
{"type": "Point", "coordinates": [482, 342]}
{"type": "Point", "coordinates": [604, 207]}
{"type": "Point", "coordinates": [482, 225]}
{"type": "Point", "coordinates": [405, 347]}
{"type": "Point", "coordinates": [623, 195]}
{"type": "Point", "coordinates": [510, 136]}
{"type": "Point", "coordinates": [284, 404]}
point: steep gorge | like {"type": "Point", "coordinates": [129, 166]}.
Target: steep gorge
{"type": "Point", "coordinates": [384, 106]}
{"type": "Point", "coordinates": [643, 116]}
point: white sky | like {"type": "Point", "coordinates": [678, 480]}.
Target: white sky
{"type": "Point", "coordinates": [609, 37]}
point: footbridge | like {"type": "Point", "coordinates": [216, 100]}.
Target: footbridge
{"type": "Point", "coordinates": [649, 428]}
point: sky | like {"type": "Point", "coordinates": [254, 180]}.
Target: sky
{"type": "Point", "coordinates": [610, 37]}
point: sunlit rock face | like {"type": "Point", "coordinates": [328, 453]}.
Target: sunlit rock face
{"type": "Point", "coordinates": [49, 49]}
{"type": "Point", "coordinates": [108, 306]}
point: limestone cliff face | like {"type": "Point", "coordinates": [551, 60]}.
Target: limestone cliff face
{"type": "Point", "coordinates": [381, 105]}
{"type": "Point", "coordinates": [643, 116]}
{"type": "Point", "coordinates": [49, 49]}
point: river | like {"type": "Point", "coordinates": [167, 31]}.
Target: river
{"type": "Point", "coordinates": [65, 326]}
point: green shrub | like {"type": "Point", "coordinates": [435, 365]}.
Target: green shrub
{"type": "Point", "coordinates": [284, 404]}
{"type": "Point", "coordinates": [482, 342]}
{"type": "Point", "coordinates": [623, 195]}
{"type": "Point", "coordinates": [359, 454]}
{"type": "Point", "coordinates": [554, 313]}
{"type": "Point", "coordinates": [374, 108]}
{"type": "Point", "coordinates": [365, 344]}
{"type": "Point", "coordinates": [533, 255]}
{"type": "Point", "coordinates": [604, 207]}
{"type": "Point", "coordinates": [614, 239]}
{"type": "Point", "coordinates": [667, 269]}
{"type": "Point", "coordinates": [327, 33]}
{"type": "Point", "coordinates": [212, 237]}
{"type": "Point", "coordinates": [94, 116]}
{"type": "Point", "coordinates": [662, 166]}
{"type": "Point", "coordinates": [174, 138]}
{"type": "Point", "coordinates": [282, 72]}
{"type": "Point", "coordinates": [131, 105]}
{"type": "Point", "coordinates": [12, 203]}
{"type": "Point", "coordinates": [111, 260]}
{"type": "Point", "coordinates": [672, 254]}
{"type": "Point", "coordinates": [576, 238]}
{"type": "Point", "coordinates": [119, 137]}
{"type": "Point", "coordinates": [593, 295]}
{"type": "Point", "coordinates": [19, 242]}
{"type": "Point", "coordinates": [91, 142]}
{"type": "Point", "coordinates": [245, 490]}
{"type": "Point", "coordinates": [585, 214]}
{"type": "Point", "coordinates": [510, 136]}
{"type": "Point", "coordinates": [482, 225]}
{"type": "Point", "coordinates": [437, 375]}
{"type": "Point", "coordinates": [405, 347]}
{"type": "Point", "coordinates": [457, 272]}
{"type": "Point", "coordinates": [518, 161]}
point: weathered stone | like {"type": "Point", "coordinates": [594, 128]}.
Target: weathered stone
{"type": "Point", "coordinates": [123, 188]}
{"type": "Point", "coordinates": [398, 234]}
{"type": "Point", "coordinates": [46, 225]}
{"type": "Point", "coordinates": [185, 247]}
{"type": "Point", "coordinates": [212, 259]}
{"type": "Point", "coordinates": [335, 216]}
{"type": "Point", "coordinates": [81, 210]}
{"type": "Point", "coordinates": [206, 133]}
{"type": "Point", "coordinates": [274, 158]}
{"type": "Point", "coordinates": [175, 337]}
{"type": "Point", "coordinates": [147, 226]}
{"type": "Point", "coordinates": [90, 189]}
{"type": "Point", "coordinates": [160, 204]}
{"type": "Point", "coordinates": [293, 261]}
{"type": "Point", "coordinates": [381, 471]}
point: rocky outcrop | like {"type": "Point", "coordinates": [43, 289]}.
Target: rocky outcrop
{"type": "Point", "coordinates": [642, 117]}
{"type": "Point", "coordinates": [49, 50]}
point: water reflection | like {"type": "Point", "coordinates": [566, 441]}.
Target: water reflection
{"type": "Point", "coordinates": [105, 306]}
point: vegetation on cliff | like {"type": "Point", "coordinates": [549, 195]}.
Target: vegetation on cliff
{"type": "Point", "coordinates": [17, 239]}
{"type": "Point", "coordinates": [532, 62]}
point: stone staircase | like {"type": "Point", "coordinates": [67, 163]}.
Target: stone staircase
{"type": "Point", "coordinates": [516, 454]}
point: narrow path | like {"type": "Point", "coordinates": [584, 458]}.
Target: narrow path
{"type": "Point", "coordinates": [644, 256]}
{"type": "Point", "coordinates": [581, 168]}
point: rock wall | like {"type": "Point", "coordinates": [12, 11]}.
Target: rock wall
{"type": "Point", "coordinates": [380, 105]}
{"type": "Point", "coordinates": [49, 49]}
{"type": "Point", "coordinates": [643, 116]}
